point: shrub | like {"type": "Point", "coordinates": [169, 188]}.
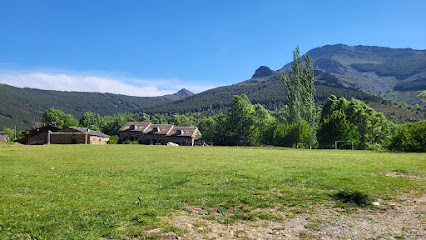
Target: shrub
{"type": "Point", "coordinates": [352, 197]}
{"type": "Point", "coordinates": [113, 139]}
{"type": "Point", "coordinates": [409, 137]}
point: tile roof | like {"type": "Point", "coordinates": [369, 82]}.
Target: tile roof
{"type": "Point", "coordinates": [134, 126]}
{"type": "Point", "coordinates": [182, 131]}
{"type": "Point", "coordinates": [160, 129]}
{"type": "Point", "coordinates": [90, 132]}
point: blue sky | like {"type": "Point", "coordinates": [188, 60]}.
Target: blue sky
{"type": "Point", "coordinates": [148, 48]}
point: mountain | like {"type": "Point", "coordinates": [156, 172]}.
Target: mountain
{"type": "Point", "coordinates": [24, 107]}
{"type": "Point", "coordinates": [183, 93]}
{"type": "Point", "coordinates": [265, 88]}
{"type": "Point", "coordinates": [371, 74]}
{"type": "Point", "coordinates": [393, 73]}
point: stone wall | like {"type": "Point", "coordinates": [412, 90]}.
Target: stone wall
{"type": "Point", "coordinates": [98, 140]}
{"type": "Point", "coordinates": [153, 138]}
{"type": "Point", "coordinates": [37, 139]}
{"type": "Point", "coordinates": [77, 139]}
{"type": "Point", "coordinates": [68, 139]}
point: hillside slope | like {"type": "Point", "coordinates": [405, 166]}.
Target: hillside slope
{"type": "Point", "coordinates": [395, 74]}
{"type": "Point", "coordinates": [24, 106]}
{"type": "Point", "coordinates": [267, 89]}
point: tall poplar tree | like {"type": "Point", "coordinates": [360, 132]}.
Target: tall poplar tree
{"type": "Point", "coordinates": [300, 91]}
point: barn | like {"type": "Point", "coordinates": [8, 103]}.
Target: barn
{"type": "Point", "coordinates": [77, 135]}
{"type": "Point", "coordinates": [39, 135]}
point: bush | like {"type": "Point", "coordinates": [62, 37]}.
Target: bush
{"type": "Point", "coordinates": [409, 137]}
{"type": "Point", "coordinates": [352, 197]}
{"type": "Point", "coordinates": [113, 139]}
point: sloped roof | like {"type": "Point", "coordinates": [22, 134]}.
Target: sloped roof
{"type": "Point", "coordinates": [89, 131]}
{"type": "Point", "coordinates": [39, 130]}
{"type": "Point", "coordinates": [161, 129]}
{"type": "Point", "coordinates": [158, 129]}
{"type": "Point", "coordinates": [130, 126]}
{"type": "Point", "coordinates": [182, 131]}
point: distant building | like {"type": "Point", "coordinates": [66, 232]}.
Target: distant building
{"type": "Point", "coordinates": [78, 135]}
{"type": "Point", "coordinates": [38, 135]}
{"type": "Point", "coordinates": [148, 133]}
{"type": "Point", "coordinates": [4, 137]}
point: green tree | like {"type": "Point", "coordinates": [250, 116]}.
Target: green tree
{"type": "Point", "coordinates": [258, 132]}
{"type": "Point", "coordinates": [336, 128]}
{"type": "Point", "coordinates": [143, 117]}
{"type": "Point", "coordinates": [281, 135]}
{"type": "Point", "coordinates": [301, 134]}
{"type": "Point", "coordinates": [240, 120]}
{"type": "Point", "coordinates": [423, 96]}
{"type": "Point", "coordinates": [373, 127]}
{"type": "Point", "coordinates": [409, 137]}
{"type": "Point", "coordinates": [92, 121]}
{"type": "Point", "coordinates": [207, 127]}
{"type": "Point", "coordinates": [300, 91]}
{"type": "Point", "coordinates": [11, 133]}
{"type": "Point", "coordinates": [114, 123]}
{"type": "Point", "coordinates": [57, 117]}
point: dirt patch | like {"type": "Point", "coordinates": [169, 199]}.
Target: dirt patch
{"type": "Point", "coordinates": [397, 174]}
{"type": "Point", "coordinates": [403, 219]}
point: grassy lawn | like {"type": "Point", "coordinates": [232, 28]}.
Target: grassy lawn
{"type": "Point", "coordinates": [120, 191]}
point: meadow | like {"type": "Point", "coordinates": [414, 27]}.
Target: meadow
{"type": "Point", "coordinates": [123, 191]}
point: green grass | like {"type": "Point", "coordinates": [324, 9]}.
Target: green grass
{"type": "Point", "coordinates": [120, 191]}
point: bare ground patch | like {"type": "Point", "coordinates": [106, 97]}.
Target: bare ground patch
{"type": "Point", "coordinates": [403, 219]}
{"type": "Point", "coordinates": [397, 174]}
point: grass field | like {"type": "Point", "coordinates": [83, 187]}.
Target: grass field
{"type": "Point", "coordinates": [122, 191]}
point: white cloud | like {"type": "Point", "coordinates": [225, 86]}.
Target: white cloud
{"type": "Point", "coordinates": [93, 83]}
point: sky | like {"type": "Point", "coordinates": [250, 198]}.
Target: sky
{"type": "Point", "coordinates": [152, 48]}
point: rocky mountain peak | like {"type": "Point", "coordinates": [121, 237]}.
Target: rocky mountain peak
{"type": "Point", "coordinates": [184, 93]}
{"type": "Point", "coordinates": [263, 71]}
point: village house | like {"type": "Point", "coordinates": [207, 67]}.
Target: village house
{"type": "Point", "coordinates": [4, 137]}
{"type": "Point", "coordinates": [38, 135]}
{"type": "Point", "coordinates": [148, 133]}
{"type": "Point", "coordinates": [77, 135]}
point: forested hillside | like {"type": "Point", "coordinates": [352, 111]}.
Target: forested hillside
{"type": "Point", "coordinates": [268, 90]}
{"type": "Point", "coordinates": [23, 106]}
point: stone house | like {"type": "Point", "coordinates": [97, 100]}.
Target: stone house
{"type": "Point", "coordinates": [78, 135]}
{"type": "Point", "coordinates": [39, 135]}
{"type": "Point", "coordinates": [4, 137]}
{"type": "Point", "coordinates": [148, 133]}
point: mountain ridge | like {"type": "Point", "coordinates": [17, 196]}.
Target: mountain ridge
{"type": "Point", "coordinates": [24, 106]}
{"type": "Point", "coordinates": [393, 73]}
